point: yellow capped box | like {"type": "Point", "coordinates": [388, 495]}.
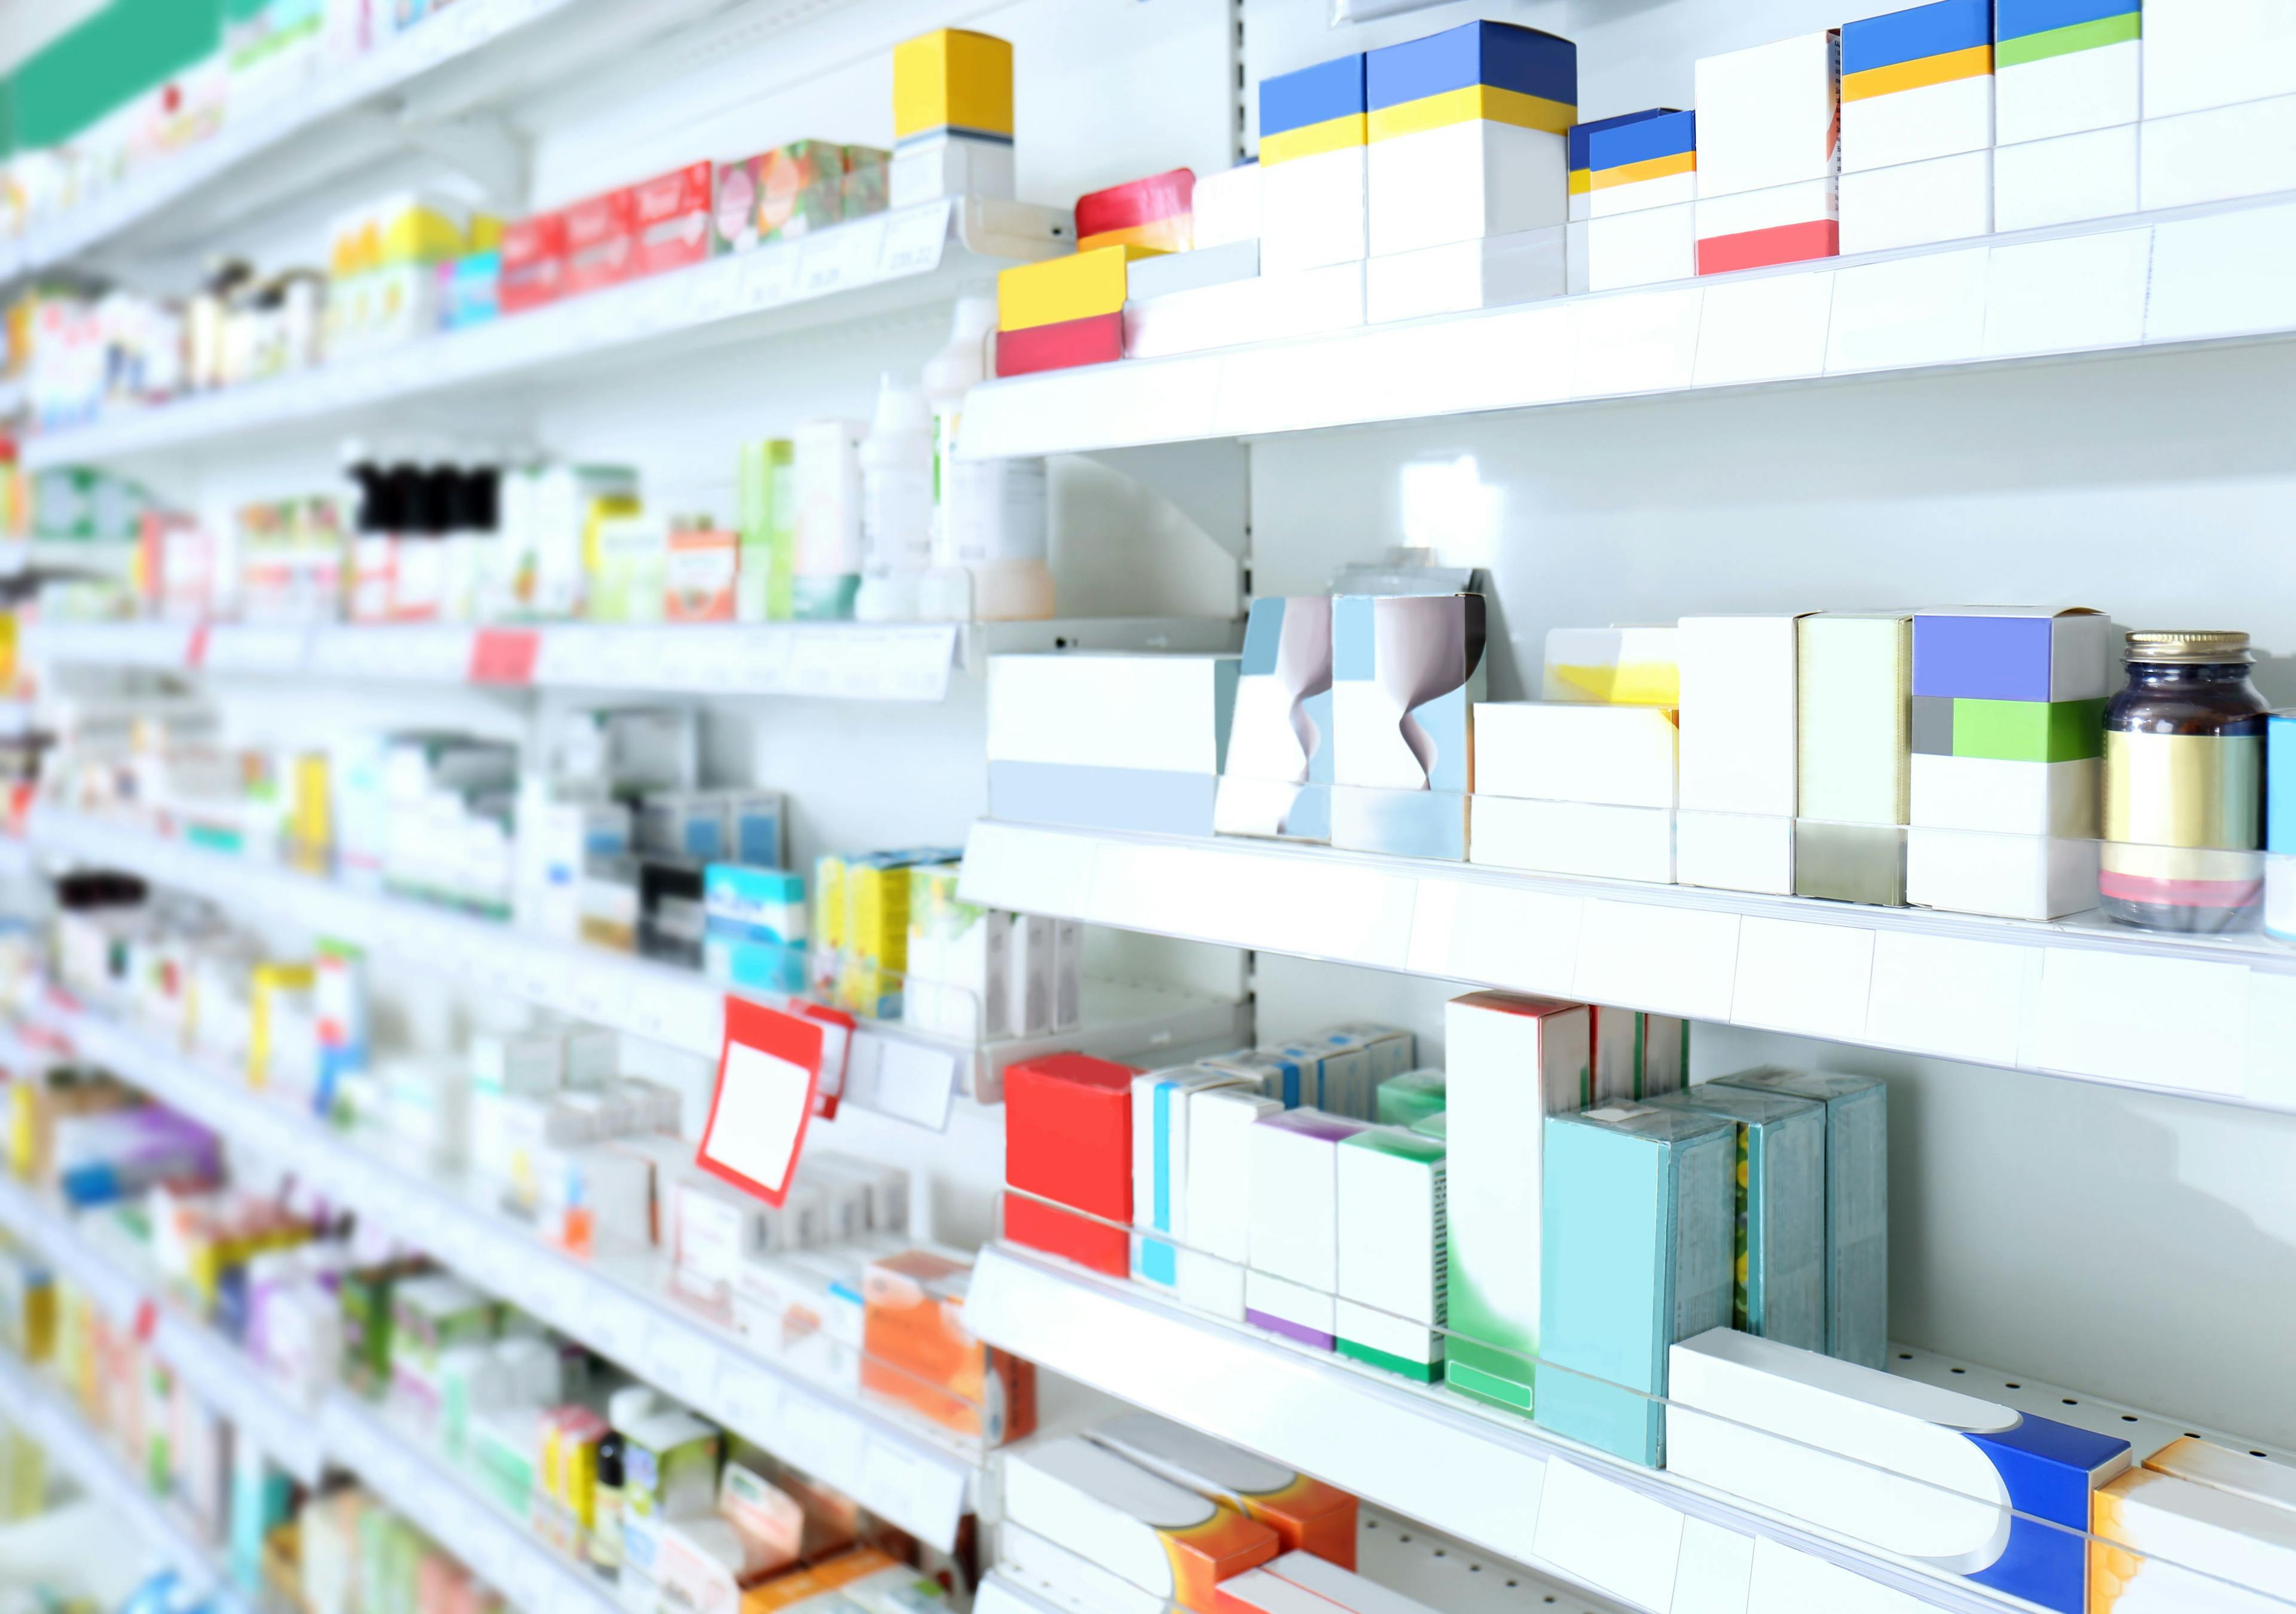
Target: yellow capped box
{"type": "Point", "coordinates": [952, 78]}
{"type": "Point", "coordinates": [1059, 289]}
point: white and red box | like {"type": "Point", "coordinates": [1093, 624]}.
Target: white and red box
{"type": "Point", "coordinates": [669, 219]}
{"type": "Point", "coordinates": [1769, 154]}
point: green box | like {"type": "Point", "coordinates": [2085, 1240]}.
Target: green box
{"type": "Point", "coordinates": [2029, 730]}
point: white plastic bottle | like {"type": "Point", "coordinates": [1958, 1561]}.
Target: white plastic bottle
{"type": "Point", "coordinates": [897, 466]}
{"type": "Point", "coordinates": [988, 515]}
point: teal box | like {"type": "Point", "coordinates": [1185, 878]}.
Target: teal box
{"type": "Point", "coordinates": [1636, 1236]}
{"type": "Point", "coordinates": [1857, 1203]}
{"type": "Point", "coordinates": [1779, 1288]}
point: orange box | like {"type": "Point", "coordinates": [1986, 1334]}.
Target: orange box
{"type": "Point", "coordinates": [798, 1585]}
{"type": "Point", "coordinates": [699, 575]}
{"type": "Point", "coordinates": [916, 1350]}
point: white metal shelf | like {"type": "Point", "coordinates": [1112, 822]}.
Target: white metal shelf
{"type": "Point", "coordinates": [1646, 1537]}
{"type": "Point", "coordinates": [838, 660]}
{"type": "Point", "coordinates": [919, 1477]}
{"type": "Point", "coordinates": [2077, 998]}
{"type": "Point", "coordinates": [47, 1416]}
{"type": "Point", "coordinates": [2193, 274]}
{"type": "Point", "coordinates": [917, 257]}
{"type": "Point", "coordinates": [889, 1067]}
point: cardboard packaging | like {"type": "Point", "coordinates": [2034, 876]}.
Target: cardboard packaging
{"type": "Point", "coordinates": [801, 189]}
{"type": "Point", "coordinates": [952, 117]}
{"type": "Point", "coordinates": [1513, 1060]}
{"type": "Point", "coordinates": [1454, 277]}
{"type": "Point", "coordinates": [1580, 146]}
{"type": "Point", "coordinates": [1165, 273]}
{"type": "Point", "coordinates": [1314, 189]}
{"type": "Point", "coordinates": [1148, 1532]}
{"type": "Point", "coordinates": [1276, 778]}
{"type": "Point", "coordinates": [1392, 1299]}
{"type": "Point", "coordinates": [1407, 671]}
{"type": "Point", "coordinates": [533, 262]}
{"type": "Point", "coordinates": [2061, 70]}
{"type": "Point", "coordinates": [1221, 1126]}
{"type": "Point", "coordinates": [1226, 206]}
{"type": "Point", "coordinates": [1622, 755]}
{"type": "Point", "coordinates": [1857, 1203]}
{"type": "Point", "coordinates": [2065, 179]}
{"type": "Point", "coordinates": [2248, 150]}
{"type": "Point", "coordinates": [1634, 666]}
{"type": "Point", "coordinates": [600, 246]}
{"type": "Point", "coordinates": [1578, 838]}
{"type": "Point", "coordinates": [1160, 1161]}
{"type": "Point", "coordinates": [1154, 212]}
{"type": "Point", "coordinates": [1110, 741]}
{"type": "Point", "coordinates": [2170, 1544]}
{"type": "Point", "coordinates": [1068, 1139]}
{"type": "Point", "coordinates": [1301, 1583]}
{"type": "Point", "coordinates": [1636, 1056]}
{"type": "Point", "coordinates": [1062, 311]}
{"type": "Point", "coordinates": [1467, 131]}
{"type": "Point", "coordinates": [1272, 308]}
{"type": "Point", "coordinates": [1769, 153]}
{"type": "Point", "coordinates": [1412, 1097]}
{"type": "Point", "coordinates": [1917, 203]}
{"type": "Point", "coordinates": [1855, 746]}
{"type": "Point", "coordinates": [2205, 54]}
{"type": "Point", "coordinates": [1637, 1253]}
{"type": "Point", "coordinates": [1739, 739]}
{"type": "Point", "coordinates": [1780, 1284]}
{"type": "Point", "coordinates": [1967, 1485]}
{"type": "Point", "coordinates": [916, 1349]}
{"type": "Point", "coordinates": [1642, 227]}
{"type": "Point", "coordinates": [1307, 1515]}
{"type": "Point", "coordinates": [670, 220]}
{"type": "Point", "coordinates": [1916, 85]}
{"type": "Point", "coordinates": [1294, 1272]}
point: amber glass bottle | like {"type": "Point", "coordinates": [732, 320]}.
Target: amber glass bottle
{"type": "Point", "coordinates": [2183, 786]}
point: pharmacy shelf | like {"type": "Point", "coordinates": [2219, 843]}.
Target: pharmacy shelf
{"type": "Point", "coordinates": [501, 1551]}
{"type": "Point", "coordinates": [915, 1474]}
{"type": "Point", "coordinates": [2217, 273]}
{"type": "Point", "coordinates": [889, 1067]}
{"type": "Point", "coordinates": [837, 661]}
{"type": "Point", "coordinates": [2080, 997]}
{"type": "Point", "coordinates": [911, 258]}
{"type": "Point", "coordinates": [48, 1416]}
{"type": "Point", "coordinates": [1650, 1540]}
{"type": "Point", "coordinates": [212, 1366]}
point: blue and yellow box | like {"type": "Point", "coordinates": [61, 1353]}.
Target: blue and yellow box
{"type": "Point", "coordinates": [1651, 162]}
{"type": "Point", "coordinates": [1581, 155]}
{"type": "Point", "coordinates": [1917, 84]}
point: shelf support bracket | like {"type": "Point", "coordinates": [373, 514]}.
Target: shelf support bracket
{"type": "Point", "coordinates": [1209, 481]}
{"type": "Point", "coordinates": [485, 149]}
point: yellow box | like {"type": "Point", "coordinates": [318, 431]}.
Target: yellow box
{"type": "Point", "coordinates": [952, 78]}
{"type": "Point", "coordinates": [1059, 289]}
{"type": "Point", "coordinates": [271, 981]}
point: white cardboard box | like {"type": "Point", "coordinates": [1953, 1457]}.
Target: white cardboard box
{"type": "Point", "coordinates": [1941, 198]}
{"type": "Point", "coordinates": [1078, 708]}
{"type": "Point", "coordinates": [2065, 94]}
{"type": "Point", "coordinates": [1562, 750]}
{"type": "Point", "coordinates": [1266, 308]}
{"type": "Point", "coordinates": [1313, 210]}
{"type": "Point", "coordinates": [1735, 851]}
{"type": "Point", "coordinates": [1226, 207]}
{"type": "Point", "coordinates": [1602, 842]}
{"type": "Point", "coordinates": [2059, 799]}
{"type": "Point", "coordinates": [1740, 705]}
{"type": "Point", "coordinates": [2201, 53]}
{"type": "Point", "coordinates": [2011, 876]}
{"type": "Point", "coordinates": [1644, 248]}
{"type": "Point", "coordinates": [1461, 181]}
{"type": "Point", "coordinates": [2065, 179]}
{"type": "Point", "coordinates": [1488, 272]}
{"type": "Point", "coordinates": [1914, 126]}
{"type": "Point", "coordinates": [1162, 274]}
{"type": "Point", "coordinates": [1767, 115]}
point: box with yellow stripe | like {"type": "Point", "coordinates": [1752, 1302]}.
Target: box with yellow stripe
{"type": "Point", "coordinates": [1468, 135]}
{"type": "Point", "coordinates": [1643, 191]}
{"type": "Point", "coordinates": [1311, 161]}
{"type": "Point", "coordinates": [1917, 126]}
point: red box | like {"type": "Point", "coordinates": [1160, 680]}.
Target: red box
{"type": "Point", "coordinates": [533, 261]}
{"type": "Point", "coordinates": [1761, 249]}
{"type": "Point", "coordinates": [1157, 211]}
{"type": "Point", "coordinates": [599, 243]}
{"type": "Point", "coordinates": [669, 218]}
{"type": "Point", "coordinates": [1061, 1232]}
{"type": "Point", "coordinates": [1097, 338]}
{"type": "Point", "coordinates": [1068, 1132]}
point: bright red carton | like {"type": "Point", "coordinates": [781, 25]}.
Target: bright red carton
{"type": "Point", "coordinates": [1068, 1139]}
{"type": "Point", "coordinates": [669, 215]}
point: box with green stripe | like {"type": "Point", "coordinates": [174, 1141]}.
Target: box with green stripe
{"type": "Point", "coordinates": [1392, 1302]}
{"type": "Point", "coordinates": [2063, 67]}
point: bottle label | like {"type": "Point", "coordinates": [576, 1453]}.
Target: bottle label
{"type": "Point", "coordinates": [2184, 790]}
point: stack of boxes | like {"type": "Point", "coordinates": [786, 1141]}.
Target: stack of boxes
{"type": "Point", "coordinates": [1313, 171]}
{"type": "Point", "coordinates": [2067, 93]}
{"type": "Point", "coordinates": [1769, 153]}
{"type": "Point", "coordinates": [1583, 786]}
{"type": "Point", "coordinates": [1917, 126]}
{"type": "Point", "coordinates": [1407, 672]}
{"type": "Point", "coordinates": [1642, 201]}
{"type": "Point", "coordinates": [1206, 292]}
{"type": "Point", "coordinates": [952, 117]}
{"type": "Point", "coordinates": [2008, 730]}
{"type": "Point", "coordinates": [1467, 168]}
{"type": "Point", "coordinates": [1064, 311]}
{"type": "Point", "coordinates": [2220, 100]}
{"type": "Point", "coordinates": [1855, 756]}
{"type": "Point", "coordinates": [1580, 144]}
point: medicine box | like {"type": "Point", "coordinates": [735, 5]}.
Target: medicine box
{"type": "Point", "coordinates": [2064, 67]}
{"type": "Point", "coordinates": [1313, 187]}
{"type": "Point", "coordinates": [1148, 1532]}
{"type": "Point", "coordinates": [1636, 666]}
{"type": "Point", "coordinates": [1226, 206]}
{"type": "Point", "coordinates": [917, 1350]}
{"type": "Point", "coordinates": [1639, 1206]}
{"type": "Point", "coordinates": [1580, 144]}
{"type": "Point", "coordinates": [1276, 777]}
{"type": "Point", "coordinates": [1392, 1292]}
{"type": "Point", "coordinates": [1467, 135]}
{"type": "Point", "coordinates": [1160, 1161]}
{"type": "Point", "coordinates": [1294, 1271]}
{"type": "Point", "coordinates": [1916, 84]}
{"type": "Point", "coordinates": [1622, 756]}
{"type": "Point", "coordinates": [2205, 54]}
{"type": "Point", "coordinates": [1512, 1061]}
{"type": "Point", "coordinates": [1109, 742]}
{"type": "Point", "coordinates": [1779, 1291]}
{"type": "Point", "coordinates": [1407, 671]}
{"type": "Point", "coordinates": [1650, 161]}
{"type": "Point", "coordinates": [1154, 213]}
{"type": "Point", "coordinates": [1768, 154]}
{"type": "Point", "coordinates": [1454, 277]}
{"type": "Point", "coordinates": [1857, 1203]}
{"type": "Point", "coordinates": [2182, 1545]}
{"type": "Point", "coordinates": [952, 117]}
{"type": "Point", "coordinates": [1068, 1139]}
{"type": "Point", "coordinates": [1217, 1194]}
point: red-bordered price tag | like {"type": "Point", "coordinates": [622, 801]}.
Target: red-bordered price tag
{"type": "Point", "coordinates": [504, 655]}
{"type": "Point", "coordinates": [768, 1073]}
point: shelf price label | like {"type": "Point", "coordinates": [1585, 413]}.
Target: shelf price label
{"type": "Point", "coordinates": [504, 655]}
{"type": "Point", "coordinates": [769, 1072]}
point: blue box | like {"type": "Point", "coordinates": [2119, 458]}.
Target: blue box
{"type": "Point", "coordinates": [2004, 653]}
{"type": "Point", "coordinates": [1667, 134]}
{"type": "Point", "coordinates": [1635, 1253]}
{"type": "Point", "coordinates": [1312, 96]}
{"type": "Point", "coordinates": [1504, 56]}
{"type": "Point", "coordinates": [1937, 29]}
{"type": "Point", "coordinates": [2051, 1470]}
